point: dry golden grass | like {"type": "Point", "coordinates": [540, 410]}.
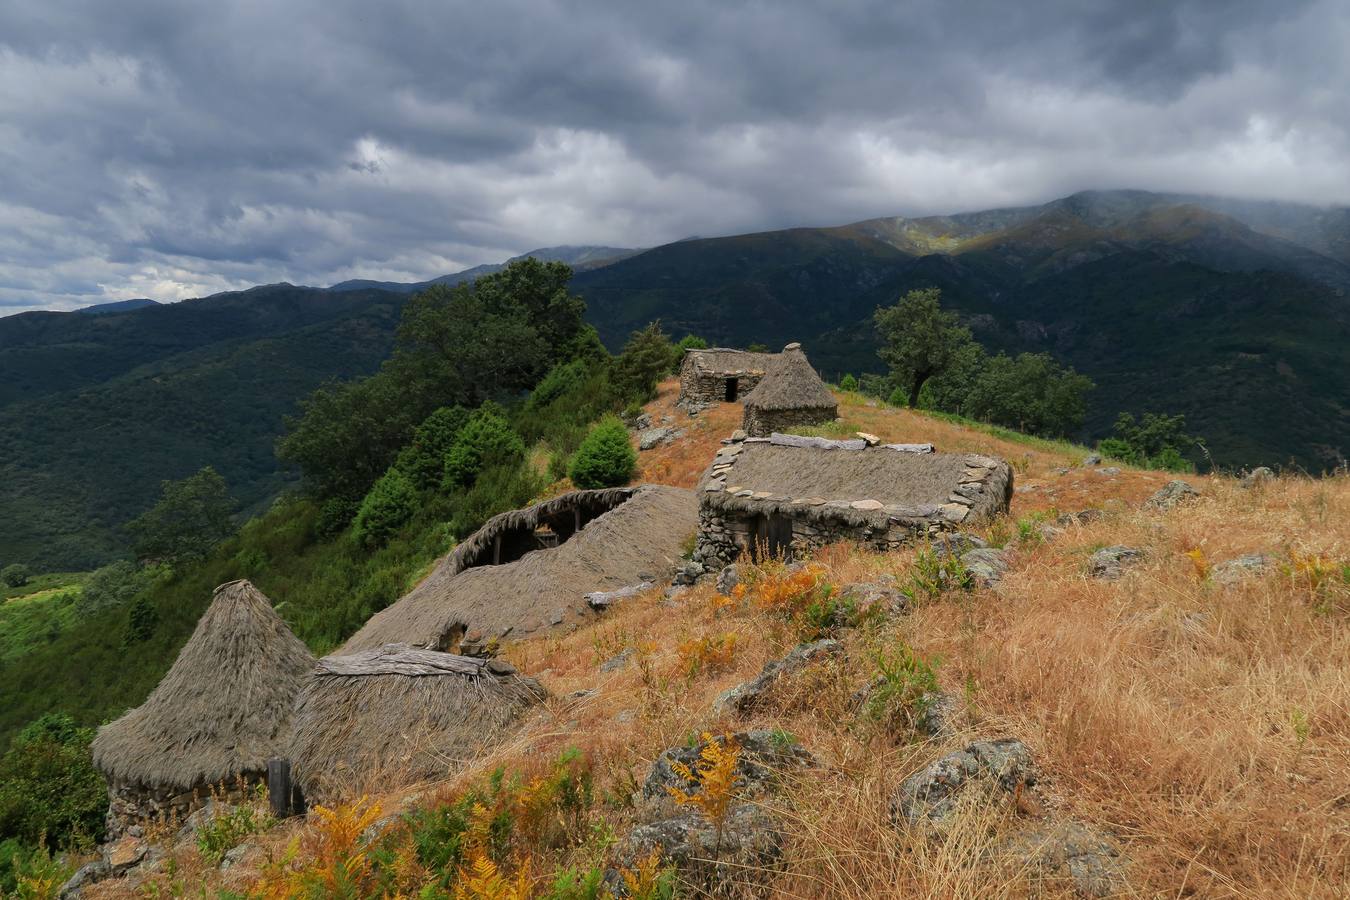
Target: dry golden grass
{"type": "Point", "coordinates": [1207, 728]}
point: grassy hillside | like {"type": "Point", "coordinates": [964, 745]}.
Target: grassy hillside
{"type": "Point", "coordinates": [1193, 722]}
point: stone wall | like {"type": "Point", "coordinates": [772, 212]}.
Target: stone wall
{"type": "Point", "coordinates": [134, 804]}
{"type": "Point", "coordinates": [764, 422]}
{"type": "Point", "coordinates": [726, 535]}
{"type": "Point", "coordinates": [702, 390]}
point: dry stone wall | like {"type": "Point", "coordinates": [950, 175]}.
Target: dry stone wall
{"type": "Point", "coordinates": [702, 390]}
{"type": "Point", "coordinates": [729, 513]}
{"type": "Point", "coordinates": [764, 422]}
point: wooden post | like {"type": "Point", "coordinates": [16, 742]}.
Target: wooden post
{"type": "Point", "coordinates": [279, 787]}
{"type": "Point", "coordinates": [497, 551]}
{"type": "Point", "coordinates": [576, 518]}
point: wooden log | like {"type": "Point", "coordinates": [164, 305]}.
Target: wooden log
{"type": "Point", "coordinates": [279, 791]}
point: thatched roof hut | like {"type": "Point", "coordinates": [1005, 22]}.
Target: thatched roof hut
{"type": "Point", "coordinates": [790, 395]}
{"type": "Point", "coordinates": [222, 709]}
{"type": "Point", "coordinates": [400, 713]}
{"type": "Point", "coordinates": [796, 492]}
{"type": "Point", "coordinates": [530, 569]}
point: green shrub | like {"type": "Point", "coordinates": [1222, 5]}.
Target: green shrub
{"type": "Point", "coordinates": [142, 620]}
{"type": "Point", "coordinates": [904, 688]}
{"type": "Point", "coordinates": [487, 439]}
{"type": "Point", "coordinates": [228, 829]}
{"type": "Point", "coordinates": [335, 515]}
{"type": "Point", "coordinates": [49, 788]}
{"type": "Point", "coordinates": [386, 508]}
{"type": "Point", "coordinates": [934, 574]}
{"type": "Point", "coordinates": [848, 383]}
{"type": "Point", "coordinates": [25, 871]}
{"type": "Point", "coordinates": [1154, 441]}
{"type": "Point", "coordinates": [115, 585]}
{"type": "Point", "coordinates": [606, 458]}
{"type": "Point", "coordinates": [15, 575]}
{"type": "Point", "coordinates": [898, 397]}
{"type": "Point", "coordinates": [423, 460]}
{"type": "Point", "coordinates": [646, 359]}
{"type": "Point", "coordinates": [497, 489]}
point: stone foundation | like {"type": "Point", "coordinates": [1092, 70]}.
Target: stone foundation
{"type": "Point", "coordinates": [134, 804]}
{"type": "Point", "coordinates": [725, 536]}
{"type": "Point", "coordinates": [764, 422]}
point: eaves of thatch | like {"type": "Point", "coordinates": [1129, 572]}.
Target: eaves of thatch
{"type": "Point", "coordinates": [791, 383]}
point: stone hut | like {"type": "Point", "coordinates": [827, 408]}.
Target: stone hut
{"type": "Point", "coordinates": [785, 495]}
{"type": "Point", "coordinates": [719, 375]}
{"type": "Point", "coordinates": [401, 714]}
{"type": "Point", "coordinates": [790, 395]}
{"type": "Point", "coordinates": [222, 710]}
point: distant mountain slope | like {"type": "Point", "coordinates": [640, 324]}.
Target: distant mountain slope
{"type": "Point", "coordinates": [116, 306]}
{"type": "Point", "coordinates": [579, 258]}
{"type": "Point", "coordinates": [78, 460]}
{"type": "Point", "coordinates": [1167, 304]}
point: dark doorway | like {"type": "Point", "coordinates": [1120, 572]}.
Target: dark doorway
{"type": "Point", "coordinates": [733, 388]}
{"type": "Point", "coordinates": [772, 538]}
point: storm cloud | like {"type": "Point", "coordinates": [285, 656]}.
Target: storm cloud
{"type": "Point", "coordinates": [171, 149]}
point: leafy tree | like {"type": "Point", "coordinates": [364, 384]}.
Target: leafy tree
{"type": "Point", "coordinates": [423, 460]}
{"type": "Point", "coordinates": [142, 621]}
{"type": "Point", "coordinates": [606, 458]}
{"type": "Point", "coordinates": [487, 439]}
{"type": "Point", "coordinates": [1155, 440]}
{"type": "Point", "coordinates": [190, 519]}
{"type": "Point", "coordinates": [848, 382]}
{"type": "Point", "coordinates": [15, 575]}
{"type": "Point", "coordinates": [49, 786]}
{"type": "Point", "coordinates": [645, 360]}
{"type": "Point", "coordinates": [919, 339]}
{"type": "Point", "coordinates": [390, 504]}
{"type": "Point", "coordinates": [688, 342]}
{"type": "Point", "coordinates": [1030, 392]}
{"type": "Point", "coordinates": [951, 389]}
{"type": "Point", "coordinates": [114, 585]}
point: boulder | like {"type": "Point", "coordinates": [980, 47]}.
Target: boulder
{"type": "Point", "coordinates": [1082, 517]}
{"type": "Point", "coordinates": [727, 579]}
{"type": "Point", "coordinates": [1249, 565]}
{"type": "Point", "coordinates": [599, 600]}
{"type": "Point", "coordinates": [955, 543]}
{"type": "Point", "coordinates": [1092, 459]}
{"type": "Point", "coordinates": [615, 663]}
{"type": "Point", "coordinates": [1174, 493]}
{"type": "Point", "coordinates": [124, 854]}
{"type": "Point", "coordinates": [985, 564]}
{"type": "Point", "coordinates": [651, 438]}
{"type": "Point", "coordinates": [746, 696]}
{"type": "Point", "coordinates": [764, 755]}
{"type": "Point", "coordinates": [1258, 477]}
{"type": "Point", "coordinates": [930, 795]}
{"type": "Point", "coordinates": [880, 594]}
{"type": "Point", "coordinates": [85, 875]}
{"type": "Point", "coordinates": [1110, 563]}
{"type": "Point", "coordinates": [1067, 854]}
{"type": "Point", "coordinates": [712, 864]}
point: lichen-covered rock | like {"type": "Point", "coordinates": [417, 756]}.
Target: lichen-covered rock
{"type": "Point", "coordinates": [956, 543]}
{"type": "Point", "coordinates": [727, 579]}
{"type": "Point", "coordinates": [1082, 517]}
{"type": "Point", "coordinates": [1249, 565]}
{"type": "Point", "coordinates": [1067, 854]}
{"type": "Point", "coordinates": [1258, 477]}
{"type": "Point", "coordinates": [651, 438]}
{"type": "Point", "coordinates": [746, 696]}
{"type": "Point", "coordinates": [875, 595]}
{"type": "Point", "coordinates": [763, 756]}
{"type": "Point", "coordinates": [615, 663]}
{"type": "Point", "coordinates": [751, 839]}
{"type": "Point", "coordinates": [87, 874]}
{"type": "Point", "coordinates": [1110, 563]}
{"type": "Point", "coordinates": [1174, 493]}
{"type": "Point", "coordinates": [985, 564]}
{"type": "Point", "coordinates": [930, 795]}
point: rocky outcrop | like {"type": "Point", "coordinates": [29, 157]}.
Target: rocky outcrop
{"type": "Point", "coordinates": [1110, 563]}
{"type": "Point", "coordinates": [985, 565]}
{"type": "Point", "coordinates": [747, 696]}
{"type": "Point", "coordinates": [1258, 477]}
{"type": "Point", "coordinates": [930, 796]}
{"type": "Point", "coordinates": [1249, 565]}
{"type": "Point", "coordinates": [1174, 493]}
{"type": "Point", "coordinates": [1067, 854]}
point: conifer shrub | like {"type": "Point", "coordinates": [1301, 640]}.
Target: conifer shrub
{"type": "Point", "coordinates": [848, 383]}
{"type": "Point", "coordinates": [386, 508]}
{"type": "Point", "coordinates": [487, 439]}
{"type": "Point", "coordinates": [142, 620]}
{"type": "Point", "coordinates": [423, 460]}
{"type": "Point", "coordinates": [606, 457]}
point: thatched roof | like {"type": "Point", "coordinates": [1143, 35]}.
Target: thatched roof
{"type": "Point", "coordinates": [638, 538]}
{"type": "Point", "coordinates": [791, 383]}
{"type": "Point", "coordinates": [222, 709]}
{"type": "Point", "coordinates": [728, 362]}
{"type": "Point", "coordinates": [402, 714]}
{"type": "Point", "coordinates": [852, 482]}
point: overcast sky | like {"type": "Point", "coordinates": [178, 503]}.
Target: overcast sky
{"type": "Point", "coordinates": [169, 149]}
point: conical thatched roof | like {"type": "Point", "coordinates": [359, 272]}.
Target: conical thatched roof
{"type": "Point", "coordinates": [791, 383]}
{"type": "Point", "coordinates": [400, 714]}
{"type": "Point", "coordinates": [223, 708]}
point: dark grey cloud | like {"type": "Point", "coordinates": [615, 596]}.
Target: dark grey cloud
{"type": "Point", "coordinates": [172, 149]}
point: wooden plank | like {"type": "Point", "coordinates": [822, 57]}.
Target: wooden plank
{"type": "Point", "coordinates": [279, 791]}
